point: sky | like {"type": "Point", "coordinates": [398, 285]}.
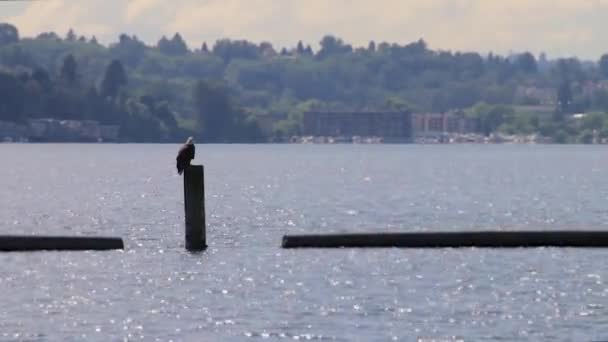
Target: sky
{"type": "Point", "coordinates": [560, 28]}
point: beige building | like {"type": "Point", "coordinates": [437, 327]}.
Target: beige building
{"type": "Point", "coordinates": [388, 126]}
{"type": "Point", "coordinates": [10, 131]}
{"type": "Point", "coordinates": [544, 95]}
{"type": "Point", "coordinates": [438, 126]}
{"type": "Point", "coordinates": [71, 130]}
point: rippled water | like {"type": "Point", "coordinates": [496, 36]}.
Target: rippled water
{"type": "Point", "coordinates": [244, 287]}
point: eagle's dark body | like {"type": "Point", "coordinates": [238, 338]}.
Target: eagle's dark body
{"type": "Point", "coordinates": [184, 156]}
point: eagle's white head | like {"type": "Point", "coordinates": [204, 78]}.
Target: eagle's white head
{"type": "Point", "coordinates": [190, 141]}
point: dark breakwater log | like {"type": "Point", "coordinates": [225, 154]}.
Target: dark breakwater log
{"type": "Point", "coordinates": [10, 243]}
{"type": "Point", "coordinates": [482, 239]}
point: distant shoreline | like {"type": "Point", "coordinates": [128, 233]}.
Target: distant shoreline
{"type": "Point", "coordinates": [285, 143]}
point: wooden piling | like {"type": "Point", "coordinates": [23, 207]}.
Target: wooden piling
{"type": "Point", "coordinates": [194, 206]}
{"type": "Point", "coordinates": [483, 239]}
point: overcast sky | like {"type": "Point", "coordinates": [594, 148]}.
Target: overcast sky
{"type": "Point", "coordinates": [557, 27]}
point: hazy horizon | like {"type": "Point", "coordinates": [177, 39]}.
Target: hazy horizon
{"type": "Point", "coordinates": [560, 28]}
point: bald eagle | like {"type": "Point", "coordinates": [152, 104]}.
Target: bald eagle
{"type": "Point", "coordinates": [185, 155]}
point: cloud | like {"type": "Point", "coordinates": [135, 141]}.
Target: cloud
{"type": "Point", "coordinates": [227, 18]}
{"type": "Point", "coordinates": [135, 8]}
{"type": "Point", "coordinates": [60, 16]}
{"type": "Point", "coordinates": [558, 27]}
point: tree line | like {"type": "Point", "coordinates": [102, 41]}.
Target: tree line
{"type": "Point", "coordinates": [225, 91]}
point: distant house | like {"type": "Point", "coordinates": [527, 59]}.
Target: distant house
{"type": "Point", "coordinates": [10, 131]}
{"type": "Point", "coordinates": [437, 126]}
{"type": "Point", "coordinates": [390, 126]}
{"type": "Point", "coordinates": [541, 95]}
{"type": "Point", "coordinates": [71, 130]}
{"type": "Point", "coordinates": [589, 88]}
{"type": "Point", "coordinates": [545, 111]}
{"type": "Point", "coordinates": [46, 130]}
{"type": "Point", "coordinates": [109, 133]}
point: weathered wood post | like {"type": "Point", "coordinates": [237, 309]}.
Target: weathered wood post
{"type": "Point", "coordinates": [194, 205]}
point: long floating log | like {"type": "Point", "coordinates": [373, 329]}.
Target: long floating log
{"type": "Point", "coordinates": [485, 239]}
{"type": "Point", "coordinates": [10, 243]}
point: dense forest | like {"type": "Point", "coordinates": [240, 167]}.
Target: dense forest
{"type": "Point", "coordinates": [240, 91]}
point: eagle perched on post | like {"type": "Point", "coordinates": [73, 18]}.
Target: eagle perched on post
{"type": "Point", "coordinates": [185, 155]}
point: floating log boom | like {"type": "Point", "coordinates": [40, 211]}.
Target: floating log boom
{"type": "Point", "coordinates": [482, 239]}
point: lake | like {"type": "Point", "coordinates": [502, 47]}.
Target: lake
{"type": "Point", "coordinates": [245, 287]}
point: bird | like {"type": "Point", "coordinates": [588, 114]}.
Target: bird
{"type": "Point", "coordinates": [185, 155]}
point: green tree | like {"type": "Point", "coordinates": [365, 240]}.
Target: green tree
{"type": "Point", "coordinates": [48, 36]}
{"type": "Point", "coordinates": [586, 137]}
{"type": "Point", "coordinates": [12, 100]}
{"type": "Point", "coordinates": [218, 118]}
{"type": "Point", "coordinates": [527, 63]}
{"type": "Point", "coordinates": [232, 49]}
{"type": "Point", "coordinates": [519, 123]}
{"type": "Point", "coordinates": [371, 47]}
{"type": "Point", "coordinates": [331, 45]}
{"type": "Point", "coordinates": [42, 77]}
{"type": "Point", "coordinates": [600, 100]}
{"type": "Point", "coordinates": [569, 69]}
{"type": "Point", "coordinates": [139, 124]}
{"type": "Point", "coordinates": [397, 104]}
{"type": "Point", "coordinates": [162, 111]}
{"type": "Point", "coordinates": [603, 65]}
{"type": "Point", "coordinates": [267, 50]}
{"type": "Point", "coordinates": [16, 56]}
{"type": "Point", "coordinates": [93, 104]}
{"type": "Point", "coordinates": [68, 71]}
{"type": "Point", "coordinates": [300, 48]}
{"type": "Point", "coordinates": [70, 36]}
{"type": "Point", "coordinates": [490, 117]}
{"type": "Point", "coordinates": [174, 47]}
{"type": "Point", "coordinates": [564, 101]}
{"type": "Point", "coordinates": [115, 78]}
{"type": "Point", "coordinates": [215, 115]}
{"type": "Point", "coordinates": [129, 50]}
{"type": "Point", "coordinates": [179, 45]}
{"type": "Point", "coordinates": [593, 120]}
{"type": "Point", "coordinates": [8, 34]}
